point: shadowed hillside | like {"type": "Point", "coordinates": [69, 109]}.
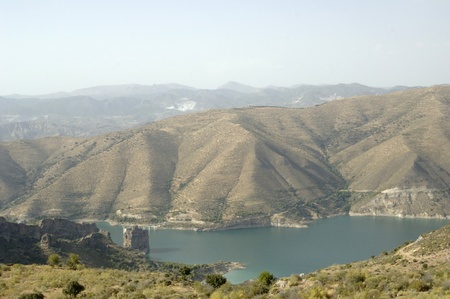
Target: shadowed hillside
{"type": "Point", "coordinates": [378, 155]}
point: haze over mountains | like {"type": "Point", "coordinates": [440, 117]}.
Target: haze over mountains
{"type": "Point", "coordinates": [96, 110]}
{"type": "Point", "coordinates": [255, 166]}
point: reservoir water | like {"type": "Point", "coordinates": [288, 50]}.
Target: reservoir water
{"type": "Point", "coordinates": [285, 251]}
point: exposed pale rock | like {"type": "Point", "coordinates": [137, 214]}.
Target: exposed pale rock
{"type": "Point", "coordinates": [409, 202]}
{"type": "Point", "coordinates": [278, 220]}
{"type": "Point", "coordinates": [47, 241]}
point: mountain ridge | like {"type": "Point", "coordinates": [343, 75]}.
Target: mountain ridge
{"type": "Point", "coordinates": [100, 109]}
{"type": "Point", "coordinates": [254, 166]}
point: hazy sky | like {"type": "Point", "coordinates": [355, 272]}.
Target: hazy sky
{"type": "Point", "coordinates": [57, 45]}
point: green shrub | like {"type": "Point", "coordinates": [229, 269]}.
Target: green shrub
{"type": "Point", "coordinates": [53, 260]}
{"type": "Point", "coordinates": [215, 280]}
{"type": "Point", "coordinates": [355, 277]}
{"type": "Point", "coordinates": [294, 280]}
{"type": "Point", "coordinates": [266, 278]}
{"type": "Point", "coordinates": [72, 289]}
{"type": "Point", "coordinates": [259, 288]}
{"type": "Point", "coordinates": [73, 261]}
{"type": "Point", "coordinates": [317, 293]}
{"type": "Point", "coordinates": [373, 282]}
{"type": "Point", "coordinates": [37, 295]}
{"type": "Point", "coordinates": [185, 271]}
{"type": "Point", "coordinates": [419, 285]}
{"type": "Point", "coordinates": [398, 285]}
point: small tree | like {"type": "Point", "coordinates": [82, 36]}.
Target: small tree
{"type": "Point", "coordinates": [263, 283]}
{"type": "Point", "coordinates": [72, 289]}
{"type": "Point", "coordinates": [73, 261]}
{"type": "Point", "coordinates": [53, 260]}
{"type": "Point", "coordinates": [185, 271]}
{"type": "Point", "coordinates": [266, 278]}
{"type": "Point", "coordinates": [215, 280]}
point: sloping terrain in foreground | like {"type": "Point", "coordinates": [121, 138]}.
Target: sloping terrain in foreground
{"type": "Point", "coordinates": [376, 155]}
{"type": "Point", "coordinates": [414, 270]}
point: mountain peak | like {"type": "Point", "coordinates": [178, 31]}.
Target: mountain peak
{"type": "Point", "coordinates": [236, 86]}
{"type": "Point", "coordinates": [127, 89]}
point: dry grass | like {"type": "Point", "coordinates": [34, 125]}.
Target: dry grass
{"type": "Point", "coordinates": [99, 283]}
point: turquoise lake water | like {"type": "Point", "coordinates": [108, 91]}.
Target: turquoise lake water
{"type": "Point", "coordinates": [285, 251]}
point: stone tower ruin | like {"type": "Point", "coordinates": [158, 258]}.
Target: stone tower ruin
{"type": "Point", "coordinates": [136, 238]}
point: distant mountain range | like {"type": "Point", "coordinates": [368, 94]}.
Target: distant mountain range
{"type": "Point", "coordinates": [254, 166]}
{"type": "Point", "coordinates": [96, 110]}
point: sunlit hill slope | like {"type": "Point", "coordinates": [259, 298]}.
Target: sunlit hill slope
{"type": "Point", "coordinates": [258, 166]}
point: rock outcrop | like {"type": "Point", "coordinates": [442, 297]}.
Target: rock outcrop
{"type": "Point", "coordinates": [32, 244]}
{"type": "Point", "coordinates": [62, 228]}
{"type": "Point", "coordinates": [19, 231]}
{"type": "Point", "coordinates": [47, 241]}
{"type": "Point", "coordinates": [412, 202]}
{"type": "Point", "coordinates": [136, 238]}
{"type": "Point", "coordinates": [57, 228]}
{"type": "Point", "coordinates": [28, 244]}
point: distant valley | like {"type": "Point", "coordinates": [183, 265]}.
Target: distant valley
{"type": "Point", "coordinates": [244, 167]}
{"type": "Point", "coordinates": [102, 109]}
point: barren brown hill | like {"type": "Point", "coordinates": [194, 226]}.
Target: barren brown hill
{"type": "Point", "coordinates": [382, 155]}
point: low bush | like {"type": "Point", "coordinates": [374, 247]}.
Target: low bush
{"type": "Point", "coordinates": [37, 295]}
{"type": "Point", "coordinates": [215, 280]}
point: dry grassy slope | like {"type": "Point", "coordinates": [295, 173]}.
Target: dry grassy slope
{"type": "Point", "coordinates": [414, 270]}
{"type": "Point", "coordinates": [404, 144]}
{"type": "Point", "coordinates": [228, 166]}
{"type": "Point", "coordinates": [239, 165]}
{"type": "Point", "coordinates": [400, 142]}
{"type": "Point", "coordinates": [21, 162]}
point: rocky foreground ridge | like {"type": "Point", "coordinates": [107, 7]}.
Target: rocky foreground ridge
{"type": "Point", "coordinates": [257, 166]}
{"type": "Point", "coordinates": [58, 228]}
{"type": "Point", "coordinates": [26, 244]}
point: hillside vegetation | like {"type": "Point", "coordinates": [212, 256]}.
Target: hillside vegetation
{"type": "Point", "coordinates": [258, 166]}
{"type": "Point", "coordinates": [414, 270]}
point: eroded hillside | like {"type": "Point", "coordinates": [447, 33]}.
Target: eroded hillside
{"type": "Point", "coordinates": [382, 155]}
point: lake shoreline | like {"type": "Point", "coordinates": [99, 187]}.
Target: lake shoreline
{"type": "Point", "coordinates": [284, 251]}
{"type": "Point", "coordinates": [248, 223]}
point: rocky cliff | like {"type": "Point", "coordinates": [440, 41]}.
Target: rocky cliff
{"type": "Point", "coordinates": [58, 228]}
{"type": "Point", "coordinates": [411, 202]}
{"type": "Point", "coordinates": [10, 230]}
{"type": "Point", "coordinates": [136, 238]}
{"type": "Point", "coordinates": [32, 244]}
